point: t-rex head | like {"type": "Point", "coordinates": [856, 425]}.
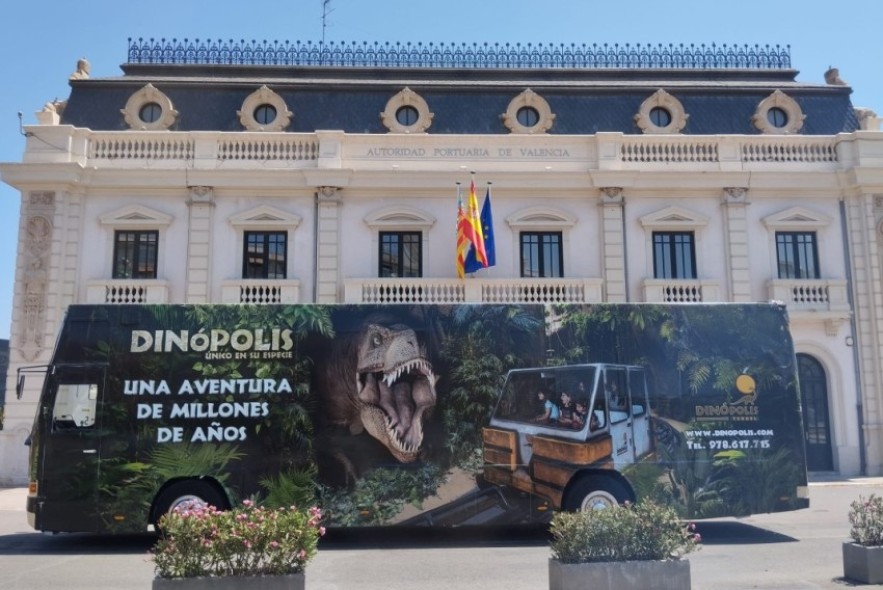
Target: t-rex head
{"type": "Point", "coordinates": [396, 387]}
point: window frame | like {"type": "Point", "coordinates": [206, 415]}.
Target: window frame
{"type": "Point", "coordinates": [541, 256]}
{"type": "Point", "coordinates": [674, 255]}
{"type": "Point", "coordinates": [266, 255]}
{"type": "Point", "coordinates": [417, 242]}
{"type": "Point", "coordinates": [138, 250]}
{"type": "Point", "coordinates": [797, 249]}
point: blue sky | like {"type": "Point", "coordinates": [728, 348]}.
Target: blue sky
{"type": "Point", "coordinates": [41, 42]}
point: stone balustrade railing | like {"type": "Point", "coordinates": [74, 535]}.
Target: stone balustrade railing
{"type": "Point", "coordinates": [472, 290]}
{"type": "Point", "coordinates": [123, 291]}
{"type": "Point", "coordinates": [333, 149]}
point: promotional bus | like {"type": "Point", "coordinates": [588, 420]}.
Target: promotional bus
{"type": "Point", "coordinates": [415, 415]}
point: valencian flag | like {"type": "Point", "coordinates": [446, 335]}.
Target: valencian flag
{"type": "Point", "coordinates": [487, 232]}
{"type": "Point", "coordinates": [469, 231]}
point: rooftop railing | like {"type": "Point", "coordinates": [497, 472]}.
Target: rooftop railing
{"type": "Point", "coordinates": [452, 55]}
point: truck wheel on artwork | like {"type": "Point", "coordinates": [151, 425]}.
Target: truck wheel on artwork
{"type": "Point", "coordinates": [596, 492]}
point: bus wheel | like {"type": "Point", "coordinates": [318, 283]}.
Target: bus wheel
{"type": "Point", "coordinates": [595, 492]}
{"type": "Point", "coordinates": [187, 491]}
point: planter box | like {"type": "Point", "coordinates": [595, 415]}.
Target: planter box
{"type": "Point", "coordinates": [622, 575]}
{"type": "Point", "coordinates": [864, 564]}
{"type": "Point", "coordinates": [287, 582]}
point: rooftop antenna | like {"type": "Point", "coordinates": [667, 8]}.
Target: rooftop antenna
{"type": "Point", "coordinates": [326, 10]}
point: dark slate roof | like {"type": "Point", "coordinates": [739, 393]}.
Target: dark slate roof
{"type": "Point", "coordinates": [463, 100]}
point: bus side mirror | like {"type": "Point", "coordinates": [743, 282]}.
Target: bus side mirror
{"type": "Point", "coordinates": [20, 386]}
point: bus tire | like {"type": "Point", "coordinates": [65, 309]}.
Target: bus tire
{"type": "Point", "coordinates": [187, 491]}
{"type": "Point", "coordinates": [595, 492]}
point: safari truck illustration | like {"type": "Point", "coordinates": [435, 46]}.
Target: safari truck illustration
{"type": "Point", "coordinates": [566, 433]}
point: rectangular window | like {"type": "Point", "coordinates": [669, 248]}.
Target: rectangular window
{"type": "Point", "coordinates": [266, 255]}
{"type": "Point", "coordinates": [541, 255]}
{"type": "Point", "coordinates": [674, 255]}
{"type": "Point", "coordinates": [401, 254]}
{"type": "Point", "coordinates": [797, 255]}
{"type": "Point", "coordinates": [134, 254]}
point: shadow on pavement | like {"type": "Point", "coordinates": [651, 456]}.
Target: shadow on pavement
{"type": "Point", "coordinates": [421, 537]}
{"type": "Point", "coordinates": [738, 533]}
{"type": "Point", "coordinates": [74, 544]}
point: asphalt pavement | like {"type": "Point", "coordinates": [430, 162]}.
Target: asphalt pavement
{"type": "Point", "coordinates": [798, 550]}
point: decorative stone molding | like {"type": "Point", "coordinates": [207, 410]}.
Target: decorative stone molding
{"type": "Point", "coordinates": [788, 105]}
{"type": "Point", "coordinates": [665, 101]}
{"type": "Point", "coordinates": [404, 99]}
{"type": "Point", "coordinates": [328, 194]}
{"type": "Point", "coordinates": [148, 95]}
{"type": "Point", "coordinates": [735, 194]}
{"type": "Point", "coordinates": [674, 218]}
{"type": "Point", "coordinates": [264, 96]}
{"type": "Point", "coordinates": [398, 217]}
{"type": "Point", "coordinates": [35, 277]}
{"type": "Point", "coordinates": [611, 195]}
{"type": "Point", "coordinates": [265, 217]}
{"type": "Point", "coordinates": [796, 219]}
{"type": "Point", "coordinates": [51, 112]}
{"type": "Point", "coordinates": [867, 119]}
{"type": "Point", "coordinates": [136, 217]}
{"type": "Point", "coordinates": [541, 218]}
{"type": "Point", "coordinates": [528, 99]}
{"type": "Point", "coordinates": [201, 195]}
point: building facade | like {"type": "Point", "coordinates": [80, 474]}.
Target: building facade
{"type": "Point", "coordinates": [280, 173]}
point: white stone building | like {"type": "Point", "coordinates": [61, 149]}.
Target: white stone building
{"type": "Point", "coordinates": [206, 175]}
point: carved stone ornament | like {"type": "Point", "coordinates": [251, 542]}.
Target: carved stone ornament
{"type": "Point", "coordinates": [82, 71]}
{"type": "Point", "coordinates": [149, 95]}
{"type": "Point", "coordinates": [406, 98]}
{"type": "Point", "coordinates": [780, 100]}
{"type": "Point", "coordinates": [260, 97]}
{"type": "Point", "coordinates": [201, 195]}
{"type": "Point", "coordinates": [34, 281]}
{"type": "Point", "coordinates": [735, 194]}
{"type": "Point", "coordinates": [528, 99]}
{"type": "Point", "coordinates": [611, 195]}
{"type": "Point", "coordinates": [661, 100]}
{"type": "Point", "coordinates": [328, 193]}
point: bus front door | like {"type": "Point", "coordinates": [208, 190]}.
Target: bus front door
{"type": "Point", "coordinates": [68, 477]}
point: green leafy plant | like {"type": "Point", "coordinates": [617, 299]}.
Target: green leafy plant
{"type": "Point", "coordinates": [866, 521]}
{"type": "Point", "coordinates": [629, 532]}
{"type": "Point", "coordinates": [201, 541]}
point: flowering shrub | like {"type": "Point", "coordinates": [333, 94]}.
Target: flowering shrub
{"type": "Point", "coordinates": [200, 540]}
{"type": "Point", "coordinates": [645, 531]}
{"type": "Point", "coordinates": [866, 521]}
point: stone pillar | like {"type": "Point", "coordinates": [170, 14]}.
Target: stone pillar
{"type": "Point", "coordinates": [865, 234]}
{"type": "Point", "coordinates": [613, 252]}
{"type": "Point", "coordinates": [735, 216]}
{"type": "Point", "coordinates": [32, 330]}
{"type": "Point", "coordinates": [199, 244]}
{"type": "Point", "coordinates": [327, 244]}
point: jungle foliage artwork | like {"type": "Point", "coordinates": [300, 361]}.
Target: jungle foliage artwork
{"type": "Point", "coordinates": [378, 412]}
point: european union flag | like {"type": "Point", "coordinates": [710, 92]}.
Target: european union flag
{"type": "Point", "coordinates": [487, 230]}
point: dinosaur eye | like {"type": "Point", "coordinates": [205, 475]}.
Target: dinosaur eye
{"type": "Point", "coordinates": [375, 340]}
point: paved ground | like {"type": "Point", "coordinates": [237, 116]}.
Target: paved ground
{"type": "Point", "coordinates": [788, 551]}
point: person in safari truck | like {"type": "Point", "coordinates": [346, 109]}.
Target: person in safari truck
{"type": "Point", "coordinates": [550, 409]}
